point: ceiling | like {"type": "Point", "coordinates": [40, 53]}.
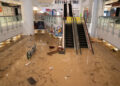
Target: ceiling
{"type": "Point", "coordinates": [110, 1]}
{"type": "Point", "coordinates": [45, 1]}
{"type": "Point", "coordinates": [51, 1]}
{"type": "Point", "coordinates": [42, 3]}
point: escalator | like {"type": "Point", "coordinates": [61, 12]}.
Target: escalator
{"type": "Point", "coordinates": [75, 32]}
{"type": "Point", "coordinates": [70, 10]}
{"type": "Point", "coordinates": [68, 35]}
{"type": "Point", "coordinates": [82, 36]}
{"type": "Point", "coordinates": [65, 10]}
{"type": "Point", "coordinates": [69, 42]}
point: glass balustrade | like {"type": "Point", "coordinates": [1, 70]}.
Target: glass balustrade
{"type": "Point", "coordinates": [110, 24]}
{"type": "Point", "coordinates": [10, 22]}
{"type": "Point", "coordinates": [54, 25]}
{"type": "Point", "coordinates": [53, 19]}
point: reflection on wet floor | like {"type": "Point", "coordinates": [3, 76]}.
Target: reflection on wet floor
{"type": "Point", "coordinates": [9, 42]}
{"type": "Point", "coordinates": [101, 69]}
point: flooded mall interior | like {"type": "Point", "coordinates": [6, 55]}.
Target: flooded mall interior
{"type": "Point", "coordinates": [59, 42]}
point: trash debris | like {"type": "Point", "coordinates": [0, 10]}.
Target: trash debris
{"type": "Point", "coordinates": [50, 68]}
{"type": "Point", "coordinates": [28, 64]}
{"type": "Point", "coordinates": [51, 47]}
{"type": "Point", "coordinates": [31, 51]}
{"type": "Point", "coordinates": [52, 52]}
{"type": "Point", "coordinates": [31, 80]}
{"type": "Point", "coordinates": [66, 77]}
{"type": "Point", "coordinates": [59, 50]}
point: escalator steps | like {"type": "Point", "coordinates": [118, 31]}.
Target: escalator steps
{"type": "Point", "coordinates": [69, 36]}
{"type": "Point", "coordinates": [82, 37]}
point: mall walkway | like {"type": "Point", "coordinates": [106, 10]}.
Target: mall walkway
{"type": "Point", "coordinates": [101, 69]}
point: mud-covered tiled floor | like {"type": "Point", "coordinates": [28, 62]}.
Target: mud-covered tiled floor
{"type": "Point", "coordinates": [101, 69]}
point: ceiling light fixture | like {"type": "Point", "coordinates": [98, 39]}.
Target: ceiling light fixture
{"type": "Point", "coordinates": [35, 8]}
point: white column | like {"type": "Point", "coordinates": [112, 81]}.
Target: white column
{"type": "Point", "coordinates": [90, 7]}
{"type": "Point", "coordinates": [97, 6]}
{"type": "Point", "coordinates": [101, 7]}
{"type": "Point", "coordinates": [81, 8]}
{"type": "Point", "coordinates": [27, 15]}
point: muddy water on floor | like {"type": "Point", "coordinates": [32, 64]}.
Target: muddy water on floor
{"type": "Point", "coordinates": [101, 69]}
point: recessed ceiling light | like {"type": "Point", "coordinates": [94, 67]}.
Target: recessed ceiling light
{"type": "Point", "coordinates": [35, 8]}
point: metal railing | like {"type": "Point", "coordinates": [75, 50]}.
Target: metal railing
{"type": "Point", "coordinates": [76, 38]}
{"type": "Point", "coordinates": [109, 30]}
{"type": "Point", "coordinates": [109, 24]}
{"type": "Point", "coordinates": [53, 20]}
{"type": "Point", "coordinates": [10, 26]}
{"type": "Point", "coordinates": [76, 35]}
{"type": "Point", "coordinates": [63, 36]}
{"type": "Point", "coordinates": [10, 20]}
{"type": "Point", "coordinates": [87, 36]}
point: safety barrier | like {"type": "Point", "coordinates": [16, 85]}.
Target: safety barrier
{"type": "Point", "coordinates": [10, 26]}
{"type": "Point", "coordinates": [109, 30]}
{"type": "Point", "coordinates": [87, 36]}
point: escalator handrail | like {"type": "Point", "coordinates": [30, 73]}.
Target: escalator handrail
{"type": "Point", "coordinates": [87, 36]}
{"type": "Point", "coordinates": [76, 35]}
{"type": "Point", "coordinates": [63, 36]}
{"type": "Point", "coordinates": [65, 10]}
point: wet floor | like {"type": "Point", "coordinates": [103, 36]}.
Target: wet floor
{"type": "Point", "coordinates": [101, 69]}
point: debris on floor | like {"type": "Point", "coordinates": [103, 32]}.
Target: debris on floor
{"type": "Point", "coordinates": [58, 70]}
{"type": "Point", "coordinates": [66, 77]}
{"type": "Point", "coordinates": [31, 51]}
{"type": "Point", "coordinates": [27, 63]}
{"type": "Point", "coordinates": [51, 47]}
{"type": "Point", "coordinates": [50, 68]}
{"type": "Point", "coordinates": [52, 52]}
{"type": "Point", "coordinates": [59, 50]}
{"type": "Point", "coordinates": [32, 81]}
